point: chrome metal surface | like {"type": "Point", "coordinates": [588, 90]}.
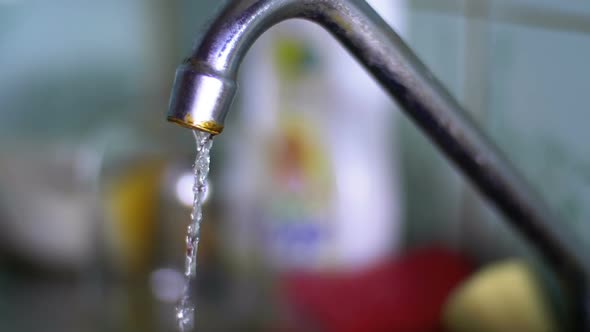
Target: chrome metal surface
{"type": "Point", "coordinates": [204, 89]}
{"type": "Point", "coordinates": [200, 99]}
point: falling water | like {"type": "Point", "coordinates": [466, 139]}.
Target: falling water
{"type": "Point", "coordinates": [185, 310]}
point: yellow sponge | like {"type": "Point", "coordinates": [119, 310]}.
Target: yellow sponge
{"type": "Point", "coordinates": [502, 297]}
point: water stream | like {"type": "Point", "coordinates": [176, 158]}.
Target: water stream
{"type": "Point", "coordinates": [185, 310]}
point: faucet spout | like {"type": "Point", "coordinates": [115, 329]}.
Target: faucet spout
{"type": "Point", "coordinates": [205, 85]}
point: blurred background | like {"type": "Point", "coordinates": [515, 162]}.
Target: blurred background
{"type": "Point", "coordinates": [328, 210]}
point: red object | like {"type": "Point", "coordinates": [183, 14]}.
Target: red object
{"type": "Point", "coordinates": [407, 294]}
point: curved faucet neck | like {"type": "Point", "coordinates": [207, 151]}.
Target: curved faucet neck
{"type": "Point", "coordinates": [223, 48]}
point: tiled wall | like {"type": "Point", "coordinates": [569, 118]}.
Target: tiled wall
{"type": "Point", "coordinates": [521, 68]}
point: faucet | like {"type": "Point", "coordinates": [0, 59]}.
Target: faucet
{"type": "Point", "coordinates": [205, 86]}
